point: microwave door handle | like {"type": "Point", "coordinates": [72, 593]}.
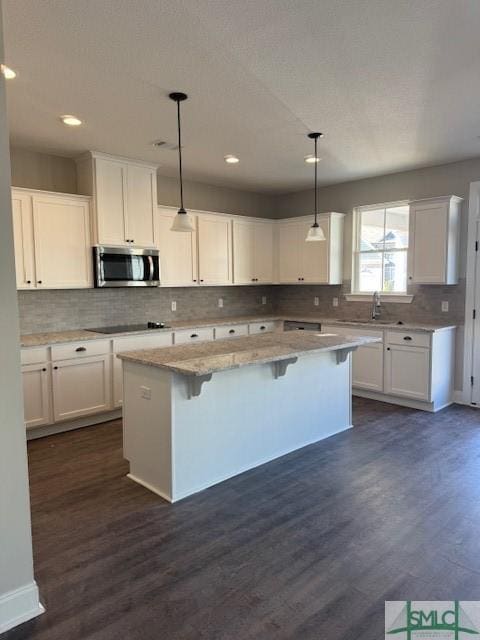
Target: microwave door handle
{"type": "Point", "coordinates": [150, 262]}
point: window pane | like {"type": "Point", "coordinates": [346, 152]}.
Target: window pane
{"type": "Point", "coordinates": [372, 229]}
{"type": "Point", "coordinates": [370, 272]}
{"type": "Point", "coordinates": [395, 272]}
{"type": "Point", "coordinates": [396, 228]}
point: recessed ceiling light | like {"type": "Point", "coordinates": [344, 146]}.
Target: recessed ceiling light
{"type": "Point", "coordinates": [7, 72]}
{"type": "Point", "coordinates": [71, 121]}
{"type": "Point", "coordinates": [231, 159]}
{"type": "Point", "coordinates": [311, 158]}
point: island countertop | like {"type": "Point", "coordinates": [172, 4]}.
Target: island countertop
{"type": "Point", "coordinates": [209, 357]}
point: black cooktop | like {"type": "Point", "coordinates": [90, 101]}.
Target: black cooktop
{"type": "Point", "coordinates": [126, 328]}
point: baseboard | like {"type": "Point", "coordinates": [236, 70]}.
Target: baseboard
{"type": "Point", "coordinates": [403, 402]}
{"type": "Point", "coordinates": [60, 427]}
{"type": "Point", "coordinates": [149, 486]}
{"type": "Point", "coordinates": [18, 606]}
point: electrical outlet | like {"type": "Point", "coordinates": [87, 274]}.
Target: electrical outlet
{"type": "Point", "coordinates": [220, 302]}
{"type": "Point", "coordinates": [174, 305]}
{"type": "Point", "coordinates": [146, 393]}
{"type": "Point", "coordinates": [445, 306]}
{"type": "Point", "coordinates": [264, 299]}
{"type": "Point", "coordinates": [335, 302]}
{"type": "Point", "coordinates": [316, 301]}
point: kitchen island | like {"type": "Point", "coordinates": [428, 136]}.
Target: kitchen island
{"type": "Point", "coordinates": [198, 414]}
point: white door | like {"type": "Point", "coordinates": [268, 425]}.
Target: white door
{"type": "Point", "coordinates": [110, 189]}
{"type": "Point", "coordinates": [23, 240]}
{"type": "Point", "coordinates": [141, 204]}
{"type": "Point", "coordinates": [37, 395]}
{"type": "Point", "coordinates": [81, 387]}
{"type": "Point", "coordinates": [429, 231]}
{"type": "Point", "coordinates": [62, 242]}
{"type": "Point", "coordinates": [214, 250]}
{"type": "Point", "coordinates": [314, 255]}
{"type": "Point", "coordinates": [178, 251]}
{"type": "Point", "coordinates": [243, 252]}
{"type": "Point", "coordinates": [288, 255]}
{"type": "Point", "coordinates": [407, 372]}
{"type": "Point", "coordinates": [368, 367]}
{"type": "Point", "coordinates": [263, 250]}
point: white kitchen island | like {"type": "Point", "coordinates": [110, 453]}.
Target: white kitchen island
{"type": "Point", "coordinates": [196, 415]}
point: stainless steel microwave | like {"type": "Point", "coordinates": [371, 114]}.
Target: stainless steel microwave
{"type": "Point", "coordinates": [126, 267]}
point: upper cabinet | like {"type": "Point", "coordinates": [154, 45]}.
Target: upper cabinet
{"type": "Point", "coordinates": [178, 251]}
{"type": "Point", "coordinates": [304, 262]}
{"type": "Point", "coordinates": [434, 240]}
{"type": "Point", "coordinates": [124, 198]}
{"type": "Point", "coordinates": [52, 240]}
{"type": "Point", "coordinates": [214, 233]}
{"type": "Point", "coordinates": [252, 251]}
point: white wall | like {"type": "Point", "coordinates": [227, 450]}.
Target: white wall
{"type": "Point", "coordinates": [18, 592]}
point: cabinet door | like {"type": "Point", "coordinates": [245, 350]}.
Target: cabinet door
{"type": "Point", "coordinates": [37, 395]}
{"type": "Point", "coordinates": [288, 252]}
{"type": "Point", "coordinates": [368, 367]}
{"type": "Point", "coordinates": [23, 240]}
{"type": "Point", "coordinates": [243, 252]}
{"type": "Point", "coordinates": [81, 387]}
{"type": "Point", "coordinates": [62, 242]}
{"type": "Point", "coordinates": [110, 190]}
{"type": "Point", "coordinates": [429, 230]}
{"type": "Point", "coordinates": [314, 255]}
{"type": "Point", "coordinates": [263, 252]}
{"type": "Point", "coordinates": [141, 204]}
{"type": "Point", "coordinates": [178, 251]}
{"type": "Point", "coordinates": [214, 250]}
{"type": "Point", "coordinates": [407, 372]}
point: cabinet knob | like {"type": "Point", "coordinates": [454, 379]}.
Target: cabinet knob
{"type": "Point", "coordinates": [29, 282]}
{"type": "Point", "coordinates": [55, 368]}
{"type": "Point", "coordinates": [44, 369]}
{"type": "Point", "coordinates": [388, 348]}
{"type": "Point", "coordinates": [201, 279]}
{"type": "Point", "coordinates": [194, 279]}
{"type": "Point", "coordinates": [39, 282]}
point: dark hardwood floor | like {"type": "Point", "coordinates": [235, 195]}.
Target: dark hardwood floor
{"type": "Point", "coordinates": [306, 547]}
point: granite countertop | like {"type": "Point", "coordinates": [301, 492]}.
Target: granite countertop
{"type": "Point", "coordinates": [56, 337]}
{"type": "Point", "coordinates": [209, 357]}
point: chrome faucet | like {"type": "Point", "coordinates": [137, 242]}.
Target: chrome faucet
{"type": "Point", "coordinates": [376, 306]}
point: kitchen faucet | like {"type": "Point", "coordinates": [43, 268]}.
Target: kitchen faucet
{"type": "Point", "coordinates": [376, 306]}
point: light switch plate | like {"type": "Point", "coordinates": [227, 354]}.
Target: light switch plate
{"type": "Point", "coordinates": [316, 301]}
{"type": "Point", "coordinates": [335, 302]}
{"type": "Point", "coordinates": [220, 302]}
{"type": "Point", "coordinates": [264, 299]}
{"type": "Point", "coordinates": [445, 306]}
{"type": "Point", "coordinates": [174, 305]}
{"type": "Point", "coordinates": [146, 393]}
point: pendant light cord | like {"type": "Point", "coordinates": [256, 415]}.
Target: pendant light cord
{"type": "Point", "coordinates": [180, 153]}
{"type": "Point", "coordinates": [315, 163]}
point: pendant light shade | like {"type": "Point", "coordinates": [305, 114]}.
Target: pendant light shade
{"type": "Point", "coordinates": [182, 221]}
{"type": "Point", "coordinates": [315, 233]}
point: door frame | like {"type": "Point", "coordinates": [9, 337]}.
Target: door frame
{"type": "Point", "coordinates": [472, 297]}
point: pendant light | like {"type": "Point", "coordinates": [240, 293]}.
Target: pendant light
{"type": "Point", "coordinates": [315, 233]}
{"type": "Point", "coordinates": [182, 221]}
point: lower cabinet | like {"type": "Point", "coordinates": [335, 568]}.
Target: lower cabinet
{"type": "Point", "coordinates": [407, 371]}
{"type": "Point", "coordinates": [81, 387]}
{"type": "Point", "coordinates": [36, 394]}
{"type": "Point", "coordinates": [368, 367]}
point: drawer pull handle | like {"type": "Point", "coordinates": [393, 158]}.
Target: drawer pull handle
{"type": "Point", "coordinates": [194, 335]}
{"type": "Point", "coordinates": [79, 349]}
{"type": "Point", "coordinates": [407, 337]}
{"type": "Point", "coordinates": [232, 331]}
{"type": "Point", "coordinates": [262, 328]}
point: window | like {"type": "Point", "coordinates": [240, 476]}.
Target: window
{"type": "Point", "coordinates": [381, 247]}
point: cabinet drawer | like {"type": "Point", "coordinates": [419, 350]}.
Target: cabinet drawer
{"type": "Point", "coordinates": [232, 331]}
{"type": "Point", "coordinates": [34, 355]}
{"type": "Point", "coordinates": [408, 339]}
{"type": "Point", "coordinates": [185, 336]}
{"type": "Point", "coordinates": [134, 343]}
{"type": "Point", "coordinates": [80, 349]}
{"type": "Point", "coordinates": [262, 327]}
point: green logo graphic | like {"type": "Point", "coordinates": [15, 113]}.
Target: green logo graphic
{"type": "Point", "coordinates": [431, 617]}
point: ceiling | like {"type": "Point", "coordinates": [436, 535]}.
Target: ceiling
{"type": "Point", "coordinates": [394, 84]}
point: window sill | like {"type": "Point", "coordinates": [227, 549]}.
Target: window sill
{"type": "Point", "coordinates": [384, 297]}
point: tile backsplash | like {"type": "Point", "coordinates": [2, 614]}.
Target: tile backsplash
{"type": "Point", "coordinates": [57, 310]}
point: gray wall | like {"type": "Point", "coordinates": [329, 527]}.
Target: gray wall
{"type": "Point", "coordinates": [16, 564]}
{"type": "Point", "coordinates": [54, 173]}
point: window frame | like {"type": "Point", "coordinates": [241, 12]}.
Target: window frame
{"type": "Point", "coordinates": [356, 253]}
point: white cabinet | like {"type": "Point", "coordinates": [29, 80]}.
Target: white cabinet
{"type": "Point", "coordinates": [52, 240]}
{"type": "Point", "coordinates": [434, 240]}
{"type": "Point", "coordinates": [188, 336]}
{"type": "Point", "coordinates": [304, 262]}
{"type": "Point", "coordinates": [178, 251]}
{"type": "Point", "coordinates": [231, 331]}
{"type": "Point", "coordinates": [125, 198]}
{"type": "Point", "coordinates": [407, 371]}
{"type": "Point", "coordinates": [81, 386]}
{"type": "Point", "coordinates": [252, 252]}
{"type": "Point", "coordinates": [37, 394]}
{"type": "Point", "coordinates": [214, 249]}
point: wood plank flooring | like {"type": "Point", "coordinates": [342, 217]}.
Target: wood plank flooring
{"type": "Point", "coordinates": [307, 547]}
